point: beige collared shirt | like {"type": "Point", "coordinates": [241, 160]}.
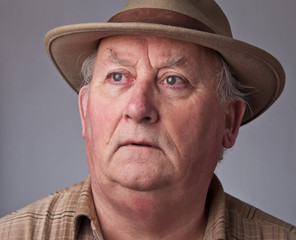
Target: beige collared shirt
{"type": "Point", "coordinates": [70, 214]}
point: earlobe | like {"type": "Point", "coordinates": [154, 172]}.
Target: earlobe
{"type": "Point", "coordinates": [82, 103]}
{"type": "Point", "coordinates": [233, 116]}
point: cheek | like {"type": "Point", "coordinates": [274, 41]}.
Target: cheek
{"type": "Point", "coordinates": [101, 119]}
{"type": "Point", "coordinates": [196, 129]}
{"type": "Point", "coordinates": [101, 122]}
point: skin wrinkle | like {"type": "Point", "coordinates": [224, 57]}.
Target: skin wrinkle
{"type": "Point", "coordinates": [115, 59]}
{"type": "Point", "coordinates": [174, 62]}
{"type": "Point", "coordinates": [121, 60]}
{"type": "Point", "coordinates": [135, 186]}
{"type": "Point", "coordinates": [170, 138]}
{"type": "Point", "coordinates": [170, 63]}
{"type": "Point", "coordinates": [231, 89]}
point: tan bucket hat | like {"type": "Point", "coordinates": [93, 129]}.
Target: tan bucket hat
{"type": "Point", "coordinates": [197, 21]}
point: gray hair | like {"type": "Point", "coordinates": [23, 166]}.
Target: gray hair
{"type": "Point", "coordinates": [228, 86]}
{"type": "Point", "coordinates": [87, 69]}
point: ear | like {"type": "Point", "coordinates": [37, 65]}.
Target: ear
{"type": "Point", "coordinates": [82, 103]}
{"type": "Point", "coordinates": [234, 113]}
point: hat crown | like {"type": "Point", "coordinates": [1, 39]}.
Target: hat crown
{"type": "Point", "coordinates": [206, 12]}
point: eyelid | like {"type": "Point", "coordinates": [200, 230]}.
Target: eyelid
{"type": "Point", "coordinates": [127, 77]}
{"type": "Point", "coordinates": [172, 74]}
{"type": "Point", "coordinates": [109, 75]}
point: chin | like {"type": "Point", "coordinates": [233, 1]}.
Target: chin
{"type": "Point", "coordinates": [141, 179]}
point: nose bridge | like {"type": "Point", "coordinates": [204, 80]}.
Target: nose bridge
{"type": "Point", "coordinates": [143, 91]}
{"type": "Point", "coordinates": [141, 105]}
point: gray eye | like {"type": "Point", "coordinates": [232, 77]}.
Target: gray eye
{"type": "Point", "coordinates": [171, 80]}
{"type": "Point", "coordinates": [117, 77]}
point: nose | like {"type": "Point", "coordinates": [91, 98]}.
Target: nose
{"type": "Point", "coordinates": [141, 106]}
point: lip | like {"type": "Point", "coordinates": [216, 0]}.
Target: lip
{"type": "Point", "coordinates": [139, 144]}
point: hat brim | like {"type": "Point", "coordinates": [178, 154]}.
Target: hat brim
{"type": "Point", "coordinates": [68, 46]}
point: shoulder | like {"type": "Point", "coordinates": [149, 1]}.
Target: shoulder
{"type": "Point", "coordinates": [247, 222]}
{"type": "Point", "coordinates": [32, 222]}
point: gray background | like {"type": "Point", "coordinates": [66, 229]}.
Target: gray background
{"type": "Point", "coordinates": [41, 149]}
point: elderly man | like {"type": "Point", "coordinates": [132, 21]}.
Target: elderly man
{"type": "Point", "coordinates": [158, 105]}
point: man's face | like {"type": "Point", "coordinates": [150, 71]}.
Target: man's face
{"type": "Point", "coordinates": [152, 118]}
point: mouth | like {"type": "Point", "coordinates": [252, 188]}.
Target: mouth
{"type": "Point", "coordinates": [139, 144]}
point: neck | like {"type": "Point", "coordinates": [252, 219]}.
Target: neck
{"type": "Point", "coordinates": [130, 214]}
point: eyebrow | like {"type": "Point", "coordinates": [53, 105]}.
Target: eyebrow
{"type": "Point", "coordinates": [174, 62]}
{"type": "Point", "coordinates": [115, 59]}
{"type": "Point", "coordinates": [169, 63]}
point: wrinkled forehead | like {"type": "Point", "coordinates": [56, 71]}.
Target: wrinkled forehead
{"type": "Point", "coordinates": [133, 46]}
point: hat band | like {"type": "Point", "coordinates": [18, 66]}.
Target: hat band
{"type": "Point", "coordinates": [160, 16]}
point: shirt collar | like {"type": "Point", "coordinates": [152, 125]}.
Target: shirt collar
{"type": "Point", "coordinates": [86, 209]}
{"type": "Point", "coordinates": [215, 205]}
{"type": "Point", "coordinates": [216, 225]}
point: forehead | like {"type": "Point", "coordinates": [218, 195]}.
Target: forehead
{"type": "Point", "coordinates": [131, 46]}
